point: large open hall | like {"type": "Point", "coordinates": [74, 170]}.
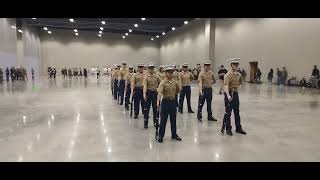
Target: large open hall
{"type": "Point", "coordinates": [159, 89]}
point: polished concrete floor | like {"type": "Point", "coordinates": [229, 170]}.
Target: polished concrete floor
{"type": "Point", "coordinates": [77, 120]}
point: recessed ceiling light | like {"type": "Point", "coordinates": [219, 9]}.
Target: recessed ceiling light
{"type": "Point", "coordinates": [71, 20]}
{"type": "Point", "coordinates": [34, 18]}
{"type": "Point", "coordinates": [20, 31]}
{"type": "Point", "coordinates": [157, 36]}
{"type": "Point", "coordinates": [77, 34]}
{"type": "Point", "coordinates": [127, 34]}
{"type": "Point", "coordinates": [123, 37]}
{"type": "Point", "coordinates": [130, 30]}
{"type": "Point", "coordinates": [103, 22]}
{"type": "Point", "coordinates": [99, 35]}
{"type": "Point", "coordinates": [75, 30]}
{"type": "Point", "coordinates": [163, 33]}
{"type": "Point", "coordinates": [13, 27]}
{"type": "Point", "coordinates": [49, 32]}
{"type": "Point", "coordinates": [173, 28]}
{"type": "Point", "coordinates": [101, 28]}
{"type": "Point", "coordinates": [100, 32]}
{"type": "Point", "coordinates": [136, 25]}
{"type": "Point", "coordinates": [186, 22]}
{"type": "Point", "coordinates": [151, 39]}
{"type": "Point", "coordinates": [143, 19]}
{"type": "Point", "coordinates": [45, 28]}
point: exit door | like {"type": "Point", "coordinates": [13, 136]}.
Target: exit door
{"type": "Point", "coordinates": [253, 71]}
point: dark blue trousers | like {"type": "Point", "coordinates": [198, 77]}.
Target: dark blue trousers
{"type": "Point", "coordinates": [168, 108]}
{"type": "Point", "coordinates": [121, 90]}
{"type": "Point", "coordinates": [207, 96]}
{"type": "Point", "coordinates": [229, 106]}
{"type": "Point", "coordinates": [138, 100]}
{"type": "Point", "coordinates": [151, 100]}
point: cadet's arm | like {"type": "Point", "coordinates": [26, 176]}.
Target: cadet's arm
{"type": "Point", "coordinates": [144, 86]}
{"type": "Point", "coordinates": [200, 83]}
{"type": "Point", "coordinates": [133, 83]}
{"type": "Point", "coordinates": [160, 91]}
{"type": "Point", "coordinates": [180, 81]}
{"type": "Point", "coordinates": [213, 79]}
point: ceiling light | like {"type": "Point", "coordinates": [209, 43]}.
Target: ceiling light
{"type": "Point", "coordinates": [34, 18]}
{"type": "Point", "coordinates": [75, 30]}
{"type": "Point", "coordinates": [186, 22]}
{"type": "Point", "coordinates": [127, 34]}
{"type": "Point", "coordinates": [77, 34]}
{"type": "Point", "coordinates": [173, 28]}
{"type": "Point", "coordinates": [103, 22]}
{"type": "Point", "coordinates": [101, 28]}
{"type": "Point", "coordinates": [130, 30]}
{"type": "Point", "coordinates": [100, 32]}
{"type": "Point", "coordinates": [163, 33]}
{"type": "Point", "coordinates": [123, 37]}
{"type": "Point", "coordinates": [71, 20]}
{"type": "Point", "coordinates": [151, 39]}
{"type": "Point", "coordinates": [13, 27]}
{"type": "Point", "coordinates": [157, 36]}
{"type": "Point", "coordinates": [45, 28]}
{"type": "Point", "coordinates": [20, 31]}
{"type": "Point", "coordinates": [143, 19]}
{"type": "Point", "coordinates": [49, 32]}
{"type": "Point", "coordinates": [99, 35]}
{"type": "Point", "coordinates": [136, 25]}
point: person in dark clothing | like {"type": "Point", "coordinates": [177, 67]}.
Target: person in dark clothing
{"type": "Point", "coordinates": [270, 76]}
{"type": "Point", "coordinates": [7, 74]}
{"type": "Point", "coordinates": [315, 72]}
{"type": "Point", "coordinates": [259, 75]}
{"type": "Point", "coordinates": [279, 74]}
{"type": "Point", "coordinates": [244, 74]}
{"type": "Point", "coordinates": [303, 82]}
{"type": "Point", "coordinates": [221, 74]}
{"type": "Point", "coordinates": [85, 73]}
{"type": "Point", "coordinates": [12, 73]}
{"type": "Point", "coordinates": [54, 73]}
{"type": "Point", "coordinates": [32, 73]}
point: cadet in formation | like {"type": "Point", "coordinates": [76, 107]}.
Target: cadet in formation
{"type": "Point", "coordinates": [232, 82]}
{"type": "Point", "coordinates": [150, 85]}
{"type": "Point", "coordinates": [161, 73]}
{"type": "Point", "coordinates": [168, 90]}
{"type": "Point", "coordinates": [128, 88]}
{"type": "Point", "coordinates": [137, 90]}
{"type": "Point", "coordinates": [185, 77]}
{"type": "Point", "coordinates": [206, 80]}
{"type": "Point", "coordinates": [115, 78]}
{"type": "Point", "coordinates": [122, 74]}
{"type": "Point", "coordinates": [1, 76]}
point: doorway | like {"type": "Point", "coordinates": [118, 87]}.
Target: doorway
{"type": "Point", "coordinates": [253, 71]}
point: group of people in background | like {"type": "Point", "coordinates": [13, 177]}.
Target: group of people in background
{"type": "Point", "coordinates": [74, 72]}
{"type": "Point", "coordinates": [166, 88]}
{"type": "Point", "coordinates": [15, 74]}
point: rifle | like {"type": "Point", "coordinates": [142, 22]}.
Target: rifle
{"type": "Point", "coordinates": [157, 122]}
{"type": "Point", "coordinates": [131, 104]}
{"type": "Point", "coordinates": [224, 124]}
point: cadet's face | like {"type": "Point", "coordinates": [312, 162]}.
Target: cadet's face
{"type": "Point", "coordinates": [169, 74]}
{"type": "Point", "coordinates": [151, 70]}
{"type": "Point", "coordinates": [130, 70]}
{"type": "Point", "coordinates": [140, 69]}
{"type": "Point", "coordinates": [206, 67]}
{"type": "Point", "coordinates": [185, 68]}
{"type": "Point", "coordinates": [235, 67]}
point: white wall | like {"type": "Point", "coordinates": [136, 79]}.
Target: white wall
{"type": "Point", "coordinates": [189, 43]}
{"type": "Point", "coordinates": [64, 49]}
{"type": "Point", "coordinates": [273, 42]}
{"type": "Point", "coordinates": [8, 46]}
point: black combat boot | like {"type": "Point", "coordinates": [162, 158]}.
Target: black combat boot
{"type": "Point", "coordinates": [229, 132]}
{"type": "Point", "coordinates": [180, 111]}
{"type": "Point", "coordinates": [135, 117]}
{"type": "Point", "coordinates": [160, 140]}
{"type": "Point", "coordinates": [176, 137]}
{"type": "Point", "coordinates": [210, 118]}
{"type": "Point", "coordinates": [241, 131]}
{"type": "Point", "coordinates": [199, 116]}
{"type": "Point", "coordinates": [146, 124]}
{"type": "Point", "coordinates": [190, 110]}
